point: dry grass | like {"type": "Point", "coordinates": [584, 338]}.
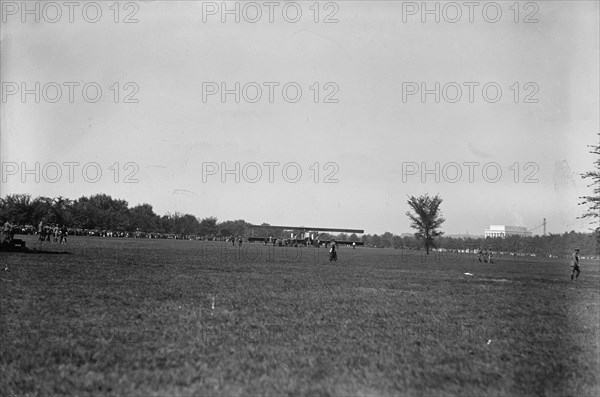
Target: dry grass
{"type": "Point", "coordinates": [136, 317]}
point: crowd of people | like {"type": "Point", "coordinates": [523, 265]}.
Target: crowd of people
{"type": "Point", "coordinates": [8, 232]}
{"type": "Point", "coordinates": [53, 232]}
{"type": "Point", "coordinates": [485, 255]}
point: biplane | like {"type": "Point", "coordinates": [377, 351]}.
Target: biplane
{"type": "Point", "coordinates": [304, 236]}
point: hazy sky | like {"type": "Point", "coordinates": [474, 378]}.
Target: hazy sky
{"type": "Point", "coordinates": [358, 115]}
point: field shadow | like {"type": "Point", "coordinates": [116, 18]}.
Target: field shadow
{"type": "Point", "coordinates": [36, 251]}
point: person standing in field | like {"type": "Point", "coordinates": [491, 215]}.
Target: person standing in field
{"type": "Point", "coordinates": [332, 252]}
{"type": "Point", "coordinates": [55, 233]}
{"type": "Point", "coordinates": [7, 231]}
{"type": "Point", "coordinates": [63, 234]}
{"type": "Point", "coordinates": [575, 264]}
{"type": "Point", "coordinates": [41, 231]}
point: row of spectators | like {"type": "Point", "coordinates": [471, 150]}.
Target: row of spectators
{"type": "Point", "coordinates": [53, 231]}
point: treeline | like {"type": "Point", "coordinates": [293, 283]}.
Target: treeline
{"type": "Point", "coordinates": [551, 244]}
{"type": "Point", "coordinates": [102, 212]}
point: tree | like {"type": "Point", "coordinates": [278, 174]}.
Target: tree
{"type": "Point", "coordinates": [60, 210]}
{"type": "Point", "coordinates": [376, 241]}
{"type": "Point", "coordinates": [233, 228]}
{"type": "Point", "coordinates": [427, 218]}
{"type": "Point", "coordinates": [341, 237]}
{"type": "Point", "coordinates": [593, 202]}
{"type": "Point", "coordinates": [208, 226]}
{"type": "Point", "coordinates": [269, 232]}
{"type": "Point", "coordinates": [386, 239]}
{"type": "Point", "coordinates": [366, 239]}
{"type": "Point", "coordinates": [143, 218]}
{"type": "Point", "coordinates": [186, 224]}
{"type": "Point", "coordinates": [22, 210]}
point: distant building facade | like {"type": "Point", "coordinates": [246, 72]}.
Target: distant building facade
{"type": "Point", "coordinates": [504, 231]}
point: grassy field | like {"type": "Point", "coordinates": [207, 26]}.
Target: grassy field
{"type": "Point", "coordinates": [165, 317]}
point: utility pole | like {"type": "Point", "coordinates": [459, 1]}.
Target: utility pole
{"type": "Point", "coordinates": [544, 226]}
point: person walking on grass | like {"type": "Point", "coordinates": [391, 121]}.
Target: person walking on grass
{"type": "Point", "coordinates": [575, 264]}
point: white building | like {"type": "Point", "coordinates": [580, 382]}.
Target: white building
{"type": "Point", "coordinates": [503, 231]}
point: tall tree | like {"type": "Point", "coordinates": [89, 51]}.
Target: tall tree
{"type": "Point", "coordinates": [208, 226]}
{"type": "Point", "coordinates": [143, 218]}
{"type": "Point", "coordinates": [17, 208]}
{"type": "Point", "coordinates": [427, 218]}
{"type": "Point", "coordinates": [186, 224]}
{"type": "Point", "coordinates": [60, 210]}
{"type": "Point", "coordinates": [366, 239]}
{"type": "Point", "coordinates": [234, 228]}
{"type": "Point", "coordinates": [386, 239]}
{"type": "Point", "coordinates": [376, 241]}
{"type": "Point", "coordinates": [593, 201]}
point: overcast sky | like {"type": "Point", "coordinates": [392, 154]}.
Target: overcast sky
{"type": "Point", "coordinates": [364, 122]}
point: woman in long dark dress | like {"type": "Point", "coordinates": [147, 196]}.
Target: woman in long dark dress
{"type": "Point", "coordinates": [333, 252]}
